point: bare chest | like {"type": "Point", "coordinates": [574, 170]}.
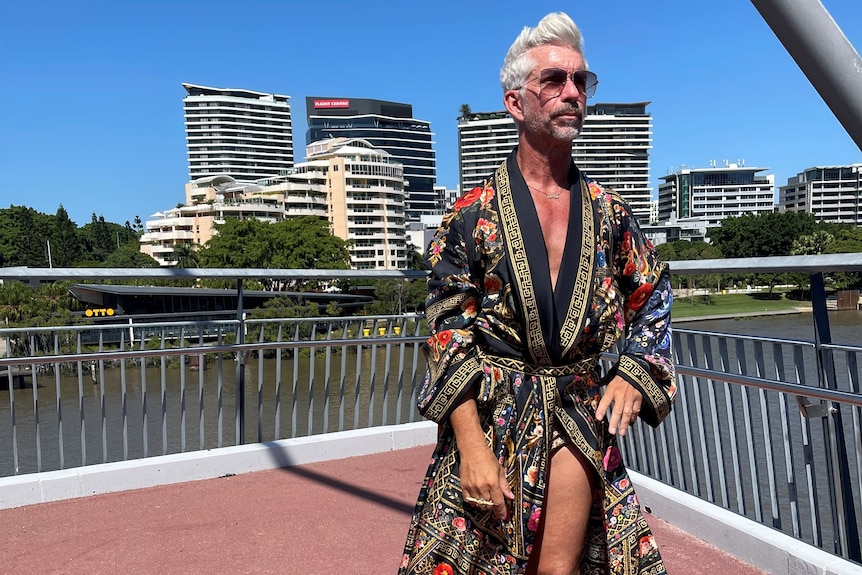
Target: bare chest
{"type": "Point", "coordinates": [554, 221]}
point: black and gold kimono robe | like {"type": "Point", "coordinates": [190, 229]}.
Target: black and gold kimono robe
{"type": "Point", "coordinates": [530, 353]}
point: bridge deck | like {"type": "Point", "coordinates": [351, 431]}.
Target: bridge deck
{"type": "Point", "coordinates": [339, 516]}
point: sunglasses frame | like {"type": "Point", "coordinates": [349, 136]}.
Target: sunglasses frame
{"type": "Point", "coordinates": [547, 87]}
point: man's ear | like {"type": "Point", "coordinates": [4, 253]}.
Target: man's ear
{"type": "Point", "coordinates": [513, 103]}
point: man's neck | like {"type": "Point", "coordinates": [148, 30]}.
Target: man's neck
{"type": "Point", "coordinates": [546, 166]}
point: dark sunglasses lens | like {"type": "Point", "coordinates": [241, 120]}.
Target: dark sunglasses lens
{"type": "Point", "coordinates": [553, 77]}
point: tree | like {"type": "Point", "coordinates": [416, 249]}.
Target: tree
{"type": "Point", "coordinates": [129, 255]}
{"type": "Point", "coordinates": [23, 235]}
{"type": "Point", "coordinates": [307, 243]}
{"type": "Point", "coordinates": [237, 244]}
{"type": "Point", "coordinates": [65, 243]}
{"type": "Point", "coordinates": [101, 238]}
{"type": "Point", "coordinates": [465, 112]}
{"type": "Point", "coordinates": [847, 241]}
{"type": "Point", "coordinates": [813, 244]}
{"type": "Point", "coordinates": [763, 235]}
{"type": "Point", "coordinates": [298, 243]}
{"type": "Point", "coordinates": [184, 256]}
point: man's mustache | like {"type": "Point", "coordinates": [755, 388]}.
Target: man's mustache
{"type": "Point", "coordinates": [569, 111]}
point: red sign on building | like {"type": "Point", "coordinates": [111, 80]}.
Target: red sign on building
{"type": "Point", "coordinates": [331, 104]}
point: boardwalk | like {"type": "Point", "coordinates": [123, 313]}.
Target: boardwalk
{"type": "Point", "coordinates": [344, 516]}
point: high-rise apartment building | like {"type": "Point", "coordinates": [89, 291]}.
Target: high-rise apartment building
{"type": "Point", "coordinates": [209, 200]}
{"type": "Point", "coordinates": [240, 133]}
{"type": "Point", "coordinates": [357, 188]}
{"type": "Point", "coordinates": [613, 148]}
{"type": "Point", "coordinates": [830, 193]}
{"type": "Point", "coordinates": [389, 126]}
{"type": "Point", "coordinates": [714, 193]}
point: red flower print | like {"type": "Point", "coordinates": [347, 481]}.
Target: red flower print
{"type": "Point", "coordinates": [487, 195]}
{"type": "Point", "coordinates": [444, 568]}
{"type": "Point", "coordinates": [459, 523]}
{"type": "Point", "coordinates": [627, 241]}
{"type": "Point", "coordinates": [489, 229]}
{"type": "Point", "coordinates": [533, 522]}
{"type": "Point", "coordinates": [493, 283]}
{"type": "Point", "coordinates": [468, 199]}
{"type": "Point", "coordinates": [630, 268]}
{"type": "Point", "coordinates": [444, 337]}
{"type": "Point", "coordinates": [639, 297]}
{"type": "Point", "coordinates": [469, 308]}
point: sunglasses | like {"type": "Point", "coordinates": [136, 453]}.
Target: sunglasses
{"type": "Point", "coordinates": [552, 81]}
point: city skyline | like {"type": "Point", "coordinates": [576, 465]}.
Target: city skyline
{"type": "Point", "coordinates": [95, 118]}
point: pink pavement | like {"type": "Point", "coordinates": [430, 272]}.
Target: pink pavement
{"type": "Point", "coordinates": [347, 516]}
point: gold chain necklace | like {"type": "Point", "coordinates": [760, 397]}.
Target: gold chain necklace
{"type": "Point", "coordinates": [546, 194]}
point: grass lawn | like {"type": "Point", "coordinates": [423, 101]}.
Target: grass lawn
{"type": "Point", "coordinates": [731, 304]}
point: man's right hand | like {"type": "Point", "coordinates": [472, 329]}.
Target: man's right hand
{"type": "Point", "coordinates": [484, 479]}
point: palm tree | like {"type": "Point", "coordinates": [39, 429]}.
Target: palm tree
{"type": "Point", "coordinates": [184, 256]}
{"type": "Point", "coordinates": [466, 112]}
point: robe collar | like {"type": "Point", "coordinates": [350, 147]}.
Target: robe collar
{"type": "Point", "coordinates": [554, 318]}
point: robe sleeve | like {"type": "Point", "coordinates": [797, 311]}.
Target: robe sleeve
{"type": "Point", "coordinates": [454, 296]}
{"type": "Point", "coordinates": [646, 359]}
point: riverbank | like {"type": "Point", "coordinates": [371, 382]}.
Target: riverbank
{"type": "Point", "coordinates": [723, 306]}
{"type": "Point", "coordinates": [740, 315]}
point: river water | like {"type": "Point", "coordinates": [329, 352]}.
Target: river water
{"type": "Point", "coordinates": [845, 326]}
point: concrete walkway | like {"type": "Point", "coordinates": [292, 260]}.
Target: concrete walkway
{"type": "Point", "coordinates": [343, 516]}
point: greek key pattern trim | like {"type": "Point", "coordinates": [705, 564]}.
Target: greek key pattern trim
{"type": "Point", "coordinates": [655, 394]}
{"type": "Point", "coordinates": [518, 255]}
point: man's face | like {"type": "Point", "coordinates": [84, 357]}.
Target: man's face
{"type": "Point", "coordinates": [560, 116]}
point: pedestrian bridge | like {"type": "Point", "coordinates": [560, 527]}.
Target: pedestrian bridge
{"type": "Point", "coordinates": [760, 457]}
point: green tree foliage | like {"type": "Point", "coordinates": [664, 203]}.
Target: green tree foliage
{"type": "Point", "coordinates": [298, 243]}
{"type": "Point", "coordinates": [129, 255]}
{"type": "Point", "coordinates": [100, 238]}
{"type": "Point", "coordinates": [23, 235]}
{"type": "Point", "coordinates": [49, 305]}
{"type": "Point", "coordinates": [763, 235]}
{"type": "Point", "coordinates": [847, 241]}
{"type": "Point", "coordinates": [394, 296]}
{"type": "Point", "coordinates": [65, 241]}
{"type": "Point", "coordinates": [812, 244]}
{"type": "Point", "coordinates": [287, 307]}
{"type": "Point", "coordinates": [684, 250]}
{"type": "Point", "coordinates": [185, 256]}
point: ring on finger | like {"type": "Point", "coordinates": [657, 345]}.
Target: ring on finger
{"type": "Point", "coordinates": [478, 501]}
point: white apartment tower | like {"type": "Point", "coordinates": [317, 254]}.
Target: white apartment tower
{"type": "Point", "coordinates": [209, 200]}
{"type": "Point", "coordinates": [360, 189]}
{"type": "Point", "coordinates": [830, 193]}
{"type": "Point", "coordinates": [714, 193]}
{"type": "Point", "coordinates": [613, 149]}
{"type": "Point", "coordinates": [240, 133]}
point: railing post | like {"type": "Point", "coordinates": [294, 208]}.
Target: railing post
{"type": "Point", "coordinates": [240, 367]}
{"type": "Point", "coordinates": [838, 465]}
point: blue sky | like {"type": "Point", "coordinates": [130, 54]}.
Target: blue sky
{"type": "Point", "coordinates": [91, 99]}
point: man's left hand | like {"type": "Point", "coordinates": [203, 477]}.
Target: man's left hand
{"type": "Point", "coordinates": [625, 404]}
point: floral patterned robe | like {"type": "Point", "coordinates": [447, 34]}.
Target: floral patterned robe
{"type": "Point", "coordinates": [530, 354]}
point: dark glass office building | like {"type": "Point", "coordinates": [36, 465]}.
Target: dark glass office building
{"type": "Point", "coordinates": [389, 126]}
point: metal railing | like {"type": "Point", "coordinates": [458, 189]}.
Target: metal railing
{"type": "Point", "coordinates": [768, 428]}
{"type": "Point", "coordinates": [755, 430]}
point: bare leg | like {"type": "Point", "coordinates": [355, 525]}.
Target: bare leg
{"type": "Point", "coordinates": [562, 530]}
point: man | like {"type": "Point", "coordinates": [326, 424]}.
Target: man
{"type": "Point", "coordinates": [533, 275]}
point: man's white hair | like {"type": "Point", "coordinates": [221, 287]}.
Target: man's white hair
{"type": "Point", "coordinates": [557, 28]}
